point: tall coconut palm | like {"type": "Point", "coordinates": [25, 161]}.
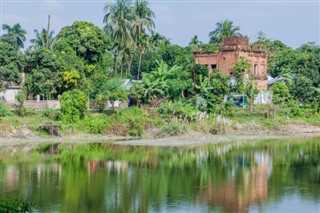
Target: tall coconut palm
{"type": "Point", "coordinates": [17, 33]}
{"type": "Point", "coordinates": [143, 18]}
{"type": "Point", "coordinates": [223, 29]}
{"type": "Point", "coordinates": [43, 39]}
{"type": "Point", "coordinates": [143, 43]}
{"type": "Point", "coordinates": [143, 21]}
{"type": "Point", "coordinates": [118, 25]}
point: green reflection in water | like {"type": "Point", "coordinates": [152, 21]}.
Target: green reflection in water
{"type": "Point", "coordinates": [112, 178]}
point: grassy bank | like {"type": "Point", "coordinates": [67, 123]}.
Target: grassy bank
{"type": "Point", "coordinates": [138, 122]}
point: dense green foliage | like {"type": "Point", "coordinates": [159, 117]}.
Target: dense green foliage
{"type": "Point", "coordinates": [12, 62]}
{"type": "Point", "coordinates": [125, 122]}
{"type": "Point", "coordinates": [280, 93]}
{"type": "Point", "coordinates": [20, 109]}
{"type": "Point", "coordinates": [83, 57]}
{"type": "Point", "coordinates": [73, 105]}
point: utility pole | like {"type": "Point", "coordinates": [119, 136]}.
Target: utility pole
{"type": "Point", "coordinates": [47, 44]}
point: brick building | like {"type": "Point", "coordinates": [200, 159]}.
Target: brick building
{"type": "Point", "coordinates": [232, 49]}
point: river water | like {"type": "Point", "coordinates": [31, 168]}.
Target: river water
{"type": "Point", "coordinates": [262, 176]}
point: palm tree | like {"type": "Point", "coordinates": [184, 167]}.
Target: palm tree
{"type": "Point", "coordinates": [223, 29]}
{"type": "Point", "coordinates": [143, 18]}
{"type": "Point", "coordinates": [142, 44]}
{"type": "Point", "coordinates": [17, 33]}
{"type": "Point", "coordinates": [195, 43]}
{"type": "Point", "coordinates": [157, 40]}
{"type": "Point", "coordinates": [118, 25]}
{"type": "Point", "coordinates": [41, 39]}
{"type": "Point", "coordinates": [143, 21]}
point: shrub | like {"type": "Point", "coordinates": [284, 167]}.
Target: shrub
{"type": "Point", "coordinates": [172, 129]}
{"type": "Point", "coordinates": [54, 114]}
{"type": "Point", "coordinates": [4, 111]}
{"type": "Point", "coordinates": [133, 120]}
{"type": "Point", "coordinates": [220, 125]}
{"type": "Point", "coordinates": [21, 110]}
{"type": "Point", "coordinates": [73, 105]}
{"type": "Point", "coordinates": [96, 125]}
{"type": "Point", "coordinates": [280, 93]}
{"type": "Point", "coordinates": [225, 109]}
{"type": "Point", "coordinates": [180, 110]}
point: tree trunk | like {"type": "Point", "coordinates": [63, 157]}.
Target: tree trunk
{"type": "Point", "coordinates": [139, 65]}
{"type": "Point", "coordinates": [121, 68]}
{"type": "Point", "coordinates": [115, 63]}
{"type": "Point", "coordinates": [129, 67]}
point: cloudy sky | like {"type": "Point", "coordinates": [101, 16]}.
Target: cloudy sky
{"type": "Point", "coordinates": [293, 22]}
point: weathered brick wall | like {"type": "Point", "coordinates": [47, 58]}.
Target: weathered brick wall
{"type": "Point", "coordinates": [261, 63]}
{"type": "Point", "coordinates": [52, 104]}
{"type": "Point", "coordinates": [205, 58]}
{"type": "Point", "coordinates": [226, 60]}
{"type": "Point", "coordinates": [234, 48]}
{"type": "Point", "coordinates": [235, 40]}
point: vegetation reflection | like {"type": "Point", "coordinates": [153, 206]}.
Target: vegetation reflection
{"type": "Point", "coordinates": [112, 178]}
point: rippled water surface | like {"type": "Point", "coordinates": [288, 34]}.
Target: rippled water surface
{"type": "Point", "coordinates": [265, 176]}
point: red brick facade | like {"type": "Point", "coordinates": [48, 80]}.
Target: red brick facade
{"type": "Point", "coordinates": [232, 49]}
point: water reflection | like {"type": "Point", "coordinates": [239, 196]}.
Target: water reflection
{"type": "Point", "coordinates": [253, 188]}
{"type": "Point", "coordinates": [217, 178]}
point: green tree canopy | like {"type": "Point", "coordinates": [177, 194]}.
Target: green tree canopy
{"type": "Point", "coordinates": [12, 63]}
{"type": "Point", "coordinates": [73, 105]}
{"type": "Point", "coordinates": [86, 40]}
{"type": "Point", "coordinates": [16, 32]}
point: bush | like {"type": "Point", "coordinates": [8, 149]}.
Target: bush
{"type": "Point", "coordinates": [96, 125]}
{"type": "Point", "coordinates": [73, 105]}
{"type": "Point", "coordinates": [172, 129]}
{"type": "Point", "coordinates": [225, 109]}
{"type": "Point", "coordinates": [133, 121]}
{"type": "Point", "coordinates": [21, 110]}
{"type": "Point", "coordinates": [220, 125]}
{"type": "Point", "coordinates": [4, 111]}
{"type": "Point", "coordinates": [180, 110]}
{"type": "Point", "coordinates": [54, 114]}
{"type": "Point", "coordinates": [280, 93]}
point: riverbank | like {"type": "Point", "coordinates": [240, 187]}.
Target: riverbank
{"type": "Point", "coordinates": [147, 127]}
{"type": "Point", "coordinates": [193, 138]}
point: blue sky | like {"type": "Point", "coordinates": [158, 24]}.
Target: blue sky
{"type": "Point", "coordinates": [293, 22]}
